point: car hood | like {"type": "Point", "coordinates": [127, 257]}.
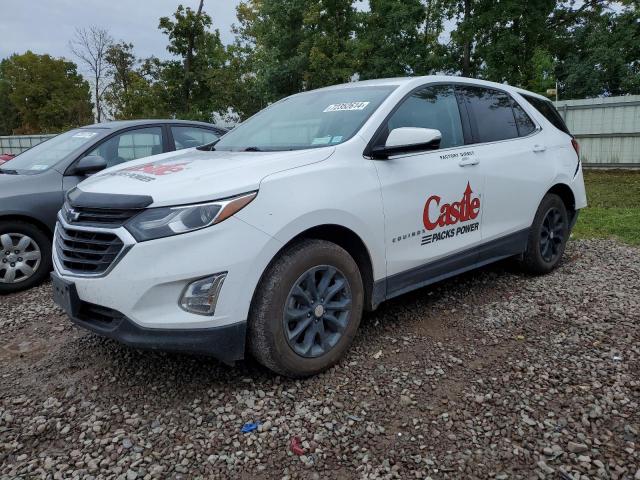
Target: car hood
{"type": "Point", "coordinates": [191, 176]}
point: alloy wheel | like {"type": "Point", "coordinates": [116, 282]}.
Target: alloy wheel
{"type": "Point", "coordinates": [551, 235]}
{"type": "Point", "coordinates": [317, 311]}
{"type": "Point", "coordinates": [20, 257]}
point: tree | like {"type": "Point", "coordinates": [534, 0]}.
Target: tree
{"type": "Point", "coordinates": [399, 38]}
{"type": "Point", "coordinates": [91, 47]}
{"type": "Point", "coordinates": [286, 46]}
{"type": "Point", "coordinates": [499, 43]}
{"type": "Point", "coordinates": [328, 43]}
{"type": "Point", "coordinates": [462, 38]}
{"type": "Point", "coordinates": [43, 94]}
{"type": "Point", "coordinates": [196, 84]}
{"type": "Point", "coordinates": [271, 33]}
{"type": "Point", "coordinates": [600, 54]}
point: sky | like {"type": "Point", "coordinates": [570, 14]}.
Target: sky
{"type": "Point", "coordinates": [46, 26]}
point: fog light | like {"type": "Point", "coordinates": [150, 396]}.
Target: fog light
{"type": "Point", "coordinates": [200, 297]}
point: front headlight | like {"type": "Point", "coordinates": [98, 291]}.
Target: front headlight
{"type": "Point", "coordinates": [167, 221]}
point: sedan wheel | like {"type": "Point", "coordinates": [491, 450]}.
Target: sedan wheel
{"type": "Point", "coordinates": [20, 258]}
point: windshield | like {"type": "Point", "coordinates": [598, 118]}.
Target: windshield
{"type": "Point", "coordinates": [309, 120]}
{"type": "Point", "coordinates": [47, 154]}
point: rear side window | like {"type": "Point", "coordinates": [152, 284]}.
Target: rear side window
{"type": "Point", "coordinates": [431, 107]}
{"type": "Point", "coordinates": [546, 108]}
{"type": "Point", "coordinates": [493, 114]}
{"type": "Point", "coordinates": [188, 137]}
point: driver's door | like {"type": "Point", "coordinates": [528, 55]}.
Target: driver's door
{"type": "Point", "coordinates": [124, 147]}
{"type": "Point", "coordinates": [432, 200]}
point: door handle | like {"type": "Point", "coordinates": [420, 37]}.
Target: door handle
{"type": "Point", "coordinates": [539, 148]}
{"type": "Point", "coordinates": [467, 162]}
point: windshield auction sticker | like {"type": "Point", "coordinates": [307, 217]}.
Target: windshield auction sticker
{"type": "Point", "coordinates": [346, 107]}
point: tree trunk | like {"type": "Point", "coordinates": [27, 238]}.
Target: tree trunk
{"type": "Point", "coordinates": [189, 60]}
{"type": "Point", "coordinates": [98, 114]}
{"type": "Point", "coordinates": [466, 46]}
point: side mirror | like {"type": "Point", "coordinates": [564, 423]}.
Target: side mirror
{"type": "Point", "coordinates": [89, 165]}
{"type": "Point", "coordinates": [408, 139]}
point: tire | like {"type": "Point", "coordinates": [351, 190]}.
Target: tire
{"type": "Point", "coordinates": [544, 249]}
{"type": "Point", "coordinates": [11, 234]}
{"type": "Point", "coordinates": [271, 319]}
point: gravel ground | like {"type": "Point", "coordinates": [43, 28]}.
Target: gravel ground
{"type": "Point", "coordinates": [490, 375]}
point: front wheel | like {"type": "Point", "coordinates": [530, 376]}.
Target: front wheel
{"type": "Point", "coordinates": [306, 310]}
{"type": "Point", "coordinates": [548, 236]}
{"type": "Point", "coordinates": [25, 256]}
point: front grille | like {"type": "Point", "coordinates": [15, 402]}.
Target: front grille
{"type": "Point", "coordinates": [85, 252]}
{"type": "Point", "coordinates": [105, 217]}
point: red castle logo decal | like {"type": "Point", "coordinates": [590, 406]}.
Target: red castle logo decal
{"type": "Point", "coordinates": [451, 213]}
{"type": "Point", "coordinates": [158, 169]}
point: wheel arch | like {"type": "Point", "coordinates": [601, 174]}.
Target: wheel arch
{"type": "Point", "coordinates": [352, 243]}
{"type": "Point", "coordinates": [28, 219]}
{"type": "Point", "coordinates": [567, 196]}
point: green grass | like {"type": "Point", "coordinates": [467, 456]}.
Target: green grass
{"type": "Point", "coordinates": [614, 206]}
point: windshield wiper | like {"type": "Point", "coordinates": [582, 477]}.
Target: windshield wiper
{"type": "Point", "coordinates": [252, 149]}
{"type": "Point", "coordinates": [9, 172]}
{"type": "Point", "coordinates": [209, 147]}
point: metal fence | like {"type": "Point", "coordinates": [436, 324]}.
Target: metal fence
{"type": "Point", "coordinates": [16, 144]}
{"type": "Point", "coordinates": [608, 129]}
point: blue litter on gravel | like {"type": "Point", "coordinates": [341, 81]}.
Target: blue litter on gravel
{"type": "Point", "coordinates": [250, 427]}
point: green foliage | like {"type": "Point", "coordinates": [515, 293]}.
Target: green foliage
{"type": "Point", "coordinates": [41, 94]}
{"type": "Point", "coordinates": [602, 56]}
{"type": "Point", "coordinates": [392, 40]}
{"type": "Point", "coordinates": [196, 83]}
{"type": "Point", "coordinates": [281, 47]}
{"type": "Point", "coordinates": [328, 28]}
{"type": "Point", "coordinates": [134, 91]}
{"type": "Point", "coordinates": [505, 39]}
{"type": "Point", "coordinates": [614, 206]}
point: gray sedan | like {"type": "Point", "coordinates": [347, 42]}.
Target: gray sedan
{"type": "Point", "coordinates": [32, 185]}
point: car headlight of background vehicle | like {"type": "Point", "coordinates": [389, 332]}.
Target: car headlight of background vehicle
{"type": "Point", "coordinates": [167, 221]}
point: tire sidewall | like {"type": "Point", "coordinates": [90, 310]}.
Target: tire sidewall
{"type": "Point", "coordinates": [43, 242]}
{"type": "Point", "coordinates": [281, 279]}
{"type": "Point", "coordinates": [534, 251]}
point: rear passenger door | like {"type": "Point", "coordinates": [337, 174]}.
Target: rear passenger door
{"type": "Point", "coordinates": [512, 159]}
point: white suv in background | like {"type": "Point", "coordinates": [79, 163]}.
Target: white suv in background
{"type": "Point", "coordinates": [274, 239]}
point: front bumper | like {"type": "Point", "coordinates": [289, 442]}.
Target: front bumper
{"type": "Point", "coordinates": [144, 287]}
{"type": "Point", "coordinates": [226, 343]}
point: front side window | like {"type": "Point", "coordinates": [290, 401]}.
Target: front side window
{"type": "Point", "coordinates": [189, 137]}
{"type": "Point", "coordinates": [49, 153]}
{"type": "Point", "coordinates": [315, 119]}
{"type": "Point", "coordinates": [130, 145]}
{"type": "Point", "coordinates": [432, 107]}
{"type": "Point", "coordinates": [493, 114]}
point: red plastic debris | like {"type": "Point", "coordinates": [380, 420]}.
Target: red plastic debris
{"type": "Point", "coordinates": [296, 447]}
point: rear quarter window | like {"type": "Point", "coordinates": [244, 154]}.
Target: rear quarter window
{"type": "Point", "coordinates": [546, 108]}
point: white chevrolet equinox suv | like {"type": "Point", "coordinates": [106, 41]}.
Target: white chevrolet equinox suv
{"type": "Point", "coordinates": [274, 240]}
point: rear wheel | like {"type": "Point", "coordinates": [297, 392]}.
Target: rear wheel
{"type": "Point", "coordinates": [25, 256]}
{"type": "Point", "coordinates": [548, 236]}
{"type": "Point", "coordinates": [307, 309]}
